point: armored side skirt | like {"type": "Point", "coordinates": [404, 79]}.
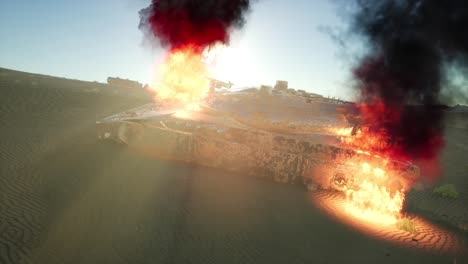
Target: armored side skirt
{"type": "Point", "coordinates": [282, 158]}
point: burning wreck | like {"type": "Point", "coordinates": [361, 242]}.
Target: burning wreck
{"type": "Point", "coordinates": [280, 134]}
{"type": "Point", "coordinates": [363, 150]}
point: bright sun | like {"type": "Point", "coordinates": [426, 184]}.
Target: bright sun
{"type": "Point", "coordinates": [234, 64]}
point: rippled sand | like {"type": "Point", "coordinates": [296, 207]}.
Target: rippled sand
{"type": "Point", "coordinates": [67, 198]}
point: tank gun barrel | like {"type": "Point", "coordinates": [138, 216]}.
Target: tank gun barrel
{"type": "Point", "coordinates": [214, 83]}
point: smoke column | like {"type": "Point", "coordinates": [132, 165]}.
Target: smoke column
{"type": "Point", "coordinates": [199, 23]}
{"type": "Point", "coordinates": [401, 78]}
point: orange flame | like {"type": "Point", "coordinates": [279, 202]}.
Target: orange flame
{"type": "Point", "coordinates": [365, 141]}
{"type": "Point", "coordinates": [182, 78]}
{"type": "Point", "coordinates": [374, 198]}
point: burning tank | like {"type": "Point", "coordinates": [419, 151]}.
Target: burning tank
{"type": "Point", "coordinates": [285, 135]}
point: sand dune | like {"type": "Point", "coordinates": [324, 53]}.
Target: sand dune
{"type": "Point", "coordinates": [67, 198]}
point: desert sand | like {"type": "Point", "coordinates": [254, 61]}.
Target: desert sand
{"type": "Point", "coordinates": [66, 197]}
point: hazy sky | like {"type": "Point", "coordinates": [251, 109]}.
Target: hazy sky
{"type": "Point", "coordinates": [91, 40]}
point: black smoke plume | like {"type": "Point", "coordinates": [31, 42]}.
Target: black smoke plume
{"type": "Point", "coordinates": [199, 23]}
{"type": "Point", "coordinates": [410, 44]}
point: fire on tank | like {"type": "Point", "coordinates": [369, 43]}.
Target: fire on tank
{"type": "Point", "coordinates": [272, 132]}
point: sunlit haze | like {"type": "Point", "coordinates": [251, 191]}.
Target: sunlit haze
{"type": "Point", "coordinates": [91, 40]}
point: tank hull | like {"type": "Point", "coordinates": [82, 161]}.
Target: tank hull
{"type": "Point", "coordinates": [217, 139]}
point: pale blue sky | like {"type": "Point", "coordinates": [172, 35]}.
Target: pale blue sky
{"type": "Point", "coordinates": [91, 40]}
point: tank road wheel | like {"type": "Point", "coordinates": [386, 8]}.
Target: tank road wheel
{"type": "Point", "coordinates": [311, 185]}
{"type": "Point", "coordinates": [339, 181]}
{"type": "Point", "coordinates": [128, 133]}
